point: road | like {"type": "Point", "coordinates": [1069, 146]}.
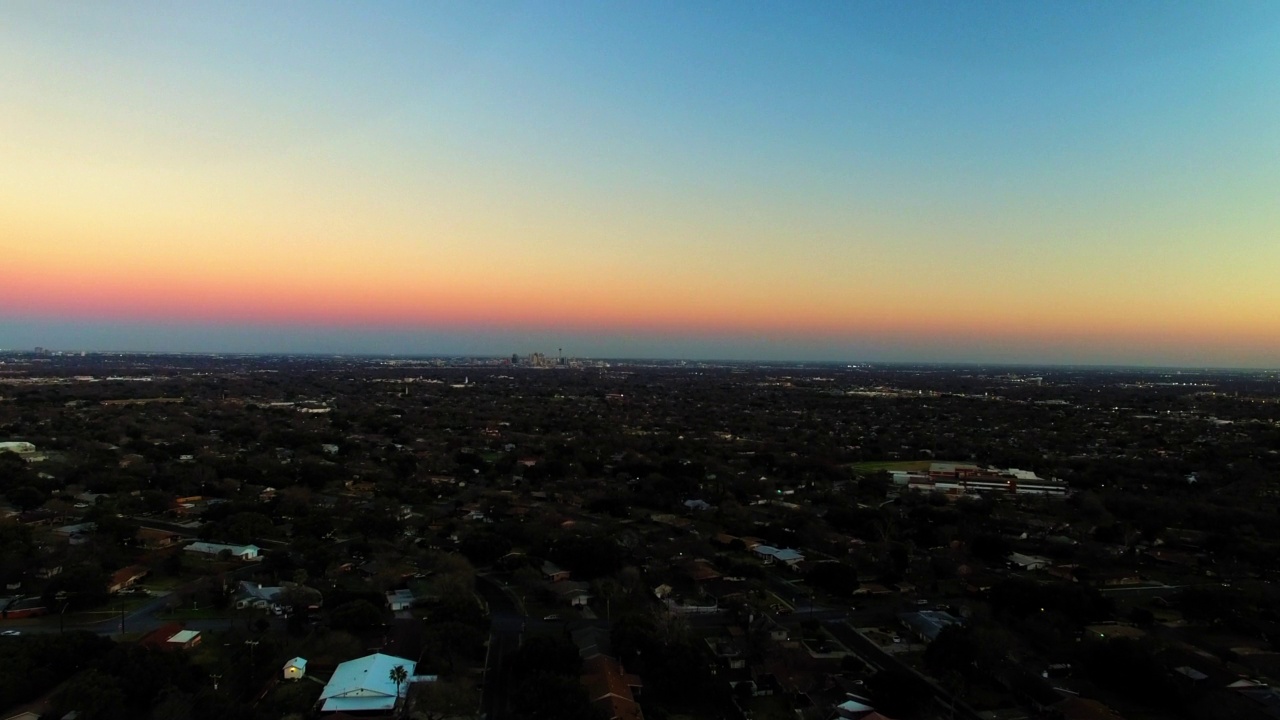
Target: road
{"type": "Point", "coordinates": [509, 626]}
{"type": "Point", "coordinates": [880, 660]}
{"type": "Point", "coordinates": [506, 632]}
{"type": "Point", "coordinates": [139, 620]}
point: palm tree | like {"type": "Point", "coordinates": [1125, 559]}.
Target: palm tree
{"type": "Point", "coordinates": [398, 676]}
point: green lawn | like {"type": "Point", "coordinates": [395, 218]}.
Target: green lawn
{"type": "Point", "coordinates": [107, 611]}
{"type": "Point", "coordinates": [204, 613]}
{"type": "Point", "coordinates": [166, 582]}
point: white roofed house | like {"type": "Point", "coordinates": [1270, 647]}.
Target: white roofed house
{"type": "Point", "coordinates": [241, 552]}
{"type": "Point", "coordinates": [1028, 562]}
{"type": "Point", "coordinates": [287, 595]}
{"type": "Point", "coordinates": [399, 600]}
{"type": "Point", "coordinates": [770, 555]}
{"type": "Point", "coordinates": [366, 685]}
{"type": "Point", "coordinates": [254, 595]}
{"type": "Point", "coordinates": [184, 639]}
{"type": "Point", "coordinates": [295, 669]}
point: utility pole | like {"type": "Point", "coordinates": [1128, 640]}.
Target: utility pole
{"type": "Point", "coordinates": [66, 601]}
{"type": "Point", "coordinates": [253, 648]}
{"type": "Point", "coordinates": [215, 680]}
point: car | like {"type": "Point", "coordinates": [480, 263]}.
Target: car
{"type": "Point", "coordinates": [897, 638]}
{"type": "Point", "coordinates": [552, 616]}
{"type": "Point", "coordinates": [10, 633]}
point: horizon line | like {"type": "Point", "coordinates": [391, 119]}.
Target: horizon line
{"type": "Point", "coordinates": [1048, 365]}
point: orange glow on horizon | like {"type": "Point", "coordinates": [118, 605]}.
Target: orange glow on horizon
{"type": "Point", "coordinates": [81, 294]}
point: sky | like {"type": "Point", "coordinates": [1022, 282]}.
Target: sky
{"type": "Point", "coordinates": [1024, 182]}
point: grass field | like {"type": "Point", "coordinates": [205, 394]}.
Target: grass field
{"type": "Point", "coordinates": [108, 611]}
{"type": "Point", "coordinates": [204, 613]}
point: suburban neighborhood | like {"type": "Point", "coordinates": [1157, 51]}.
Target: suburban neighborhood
{"type": "Point", "coordinates": [274, 537]}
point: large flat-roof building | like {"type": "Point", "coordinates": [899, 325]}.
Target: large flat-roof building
{"type": "Point", "coordinates": [958, 479]}
{"type": "Point", "coordinates": [365, 685]}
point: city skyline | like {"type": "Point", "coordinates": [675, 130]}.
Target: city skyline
{"type": "Point", "coordinates": [1082, 183]}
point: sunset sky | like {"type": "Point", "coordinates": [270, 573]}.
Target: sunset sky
{"type": "Point", "coordinates": [1045, 182]}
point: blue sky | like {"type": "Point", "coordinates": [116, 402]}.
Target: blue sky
{"type": "Point", "coordinates": [1084, 181]}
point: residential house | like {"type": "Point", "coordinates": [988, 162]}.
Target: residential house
{"type": "Point", "coordinates": [927, 624]}
{"type": "Point", "coordinates": [728, 651]}
{"type": "Point", "coordinates": [700, 570]}
{"type": "Point", "coordinates": [126, 578]}
{"type": "Point", "coordinates": [364, 685]}
{"type": "Point", "coordinates": [857, 707]}
{"type": "Point", "coordinates": [295, 669]}
{"type": "Point", "coordinates": [611, 689]}
{"type": "Point", "coordinates": [240, 552]}
{"type": "Point", "coordinates": [572, 592]}
{"type": "Point", "coordinates": [592, 641]}
{"type": "Point", "coordinates": [261, 597]}
{"type": "Point", "coordinates": [153, 539]}
{"type": "Point", "coordinates": [74, 531]}
{"type": "Point", "coordinates": [255, 595]}
{"type": "Point", "coordinates": [1028, 562]}
{"type": "Point", "coordinates": [771, 555]}
{"type": "Point", "coordinates": [553, 573]}
{"type": "Point", "coordinates": [399, 600]}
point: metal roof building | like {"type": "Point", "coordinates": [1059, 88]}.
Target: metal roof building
{"type": "Point", "coordinates": [365, 684]}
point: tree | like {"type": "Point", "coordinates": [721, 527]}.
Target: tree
{"type": "Point", "coordinates": [898, 693]}
{"type": "Point", "coordinates": [836, 578]}
{"type": "Point", "coordinates": [94, 695]}
{"type": "Point", "coordinates": [451, 641]}
{"type": "Point", "coordinates": [172, 704]}
{"type": "Point", "coordinates": [545, 696]}
{"type": "Point", "coordinates": [26, 497]}
{"type": "Point", "coordinates": [446, 699]}
{"type": "Point", "coordinates": [484, 548]}
{"type": "Point", "coordinates": [355, 616]}
{"type": "Point", "coordinates": [398, 675]}
{"type": "Point", "coordinates": [172, 564]}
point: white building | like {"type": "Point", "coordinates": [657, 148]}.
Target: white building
{"type": "Point", "coordinates": [399, 600]}
{"type": "Point", "coordinates": [254, 595]}
{"type": "Point", "coordinates": [24, 450]}
{"type": "Point", "coordinates": [365, 685]}
{"type": "Point", "coordinates": [295, 669]}
{"type": "Point", "coordinates": [771, 554]}
{"type": "Point", "coordinates": [1028, 562]}
{"type": "Point", "coordinates": [184, 639]}
{"type": "Point", "coordinates": [241, 552]}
